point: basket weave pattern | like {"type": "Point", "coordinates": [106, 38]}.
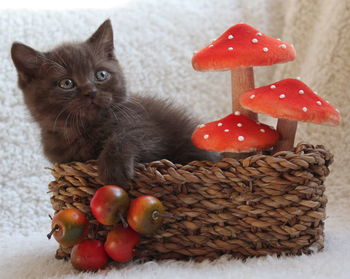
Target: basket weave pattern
{"type": "Point", "coordinates": [255, 206]}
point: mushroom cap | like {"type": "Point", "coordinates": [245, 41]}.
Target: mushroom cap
{"type": "Point", "coordinates": [290, 99]}
{"type": "Point", "coordinates": [242, 46]}
{"type": "Point", "coordinates": [234, 133]}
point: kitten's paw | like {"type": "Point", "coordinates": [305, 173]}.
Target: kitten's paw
{"type": "Point", "coordinates": [116, 172]}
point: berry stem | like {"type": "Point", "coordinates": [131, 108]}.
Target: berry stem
{"type": "Point", "coordinates": [55, 228]}
{"type": "Point", "coordinates": [121, 217]}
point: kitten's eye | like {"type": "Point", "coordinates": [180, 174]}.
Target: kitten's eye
{"type": "Point", "coordinates": [66, 83]}
{"type": "Point", "coordinates": [102, 75]}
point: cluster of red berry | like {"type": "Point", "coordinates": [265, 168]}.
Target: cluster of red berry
{"type": "Point", "coordinates": [109, 205]}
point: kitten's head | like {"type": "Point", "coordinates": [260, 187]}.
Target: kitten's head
{"type": "Point", "coordinates": [82, 79]}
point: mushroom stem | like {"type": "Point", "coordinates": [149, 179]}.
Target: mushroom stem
{"type": "Point", "coordinates": [242, 80]}
{"type": "Point", "coordinates": [287, 130]}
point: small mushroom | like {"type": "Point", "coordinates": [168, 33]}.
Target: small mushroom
{"type": "Point", "coordinates": [290, 100]}
{"type": "Point", "coordinates": [234, 133]}
{"type": "Point", "coordinates": [239, 49]}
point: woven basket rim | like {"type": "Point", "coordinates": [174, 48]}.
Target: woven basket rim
{"type": "Point", "coordinates": [303, 155]}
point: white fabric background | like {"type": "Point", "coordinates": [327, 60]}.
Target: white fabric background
{"type": "Point", "coordinates": [155, 40]}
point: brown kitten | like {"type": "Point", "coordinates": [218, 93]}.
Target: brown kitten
{"type": "Point", "coordinates": [78, 96]}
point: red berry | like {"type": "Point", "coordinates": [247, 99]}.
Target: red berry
{"type": "Point", "coordinates": [120, 243]}
{"type": "Point", "coordinates": [109, 203]}
{"type": "Point", "coordinates": [89, 255]}
{"type": "Point", "coordinates": [69, 226]}
{"type": "Point", "coordinates": [143, 215]}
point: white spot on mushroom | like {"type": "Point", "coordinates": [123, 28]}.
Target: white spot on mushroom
{"type": "Point", "coordinates": [254, 40]}
{"type": "Point", "coordinates": [282, 96]}
{"type": "Point", "coordinates": [278, 39]}
{"type": "Point", "coordinates": [230, 48]}
{"type": "Point", "coordinates": [262, 130]}
{"type": "Point", "coordinates": [239, 125]}
{"type": "Point", "coordinates": [210, 45]}
{"type": "Point", "coordinates": [259, 34]}
{"type": "Point", "coordinates": [273, 86]}
{"type": "Point", "coordinates": [206, 136]}
{"type": "Point", "coordinates": [230, 37]}
{"type": "Point", "coordinates": [252, 96]}
{"type": "Point", "coordinates": [265, 49]}
{"type": "Point", "coordinates": [201, 125]}
{"type": "Point", "coordinates": [240, 138]}
{"type": "Point", "coordinates": [219, 124]}
{"type": "Point", "coordinates": [298, 78]}
{"type": "Point", "coordinates": [315, 92]}
{"type": "Point", "coordinates": [327, 102]}
{"type": "Point", "coordinates": [283, 46]}
{"type": "Point", "coordinates": [226, 130]}
{"type": "Point", "coordinates": [319, 103]}
{"type": "Point", "coordinates": [237, 112]}
{"type": "Point", "coordinates": [301, 92]}
{"type": "Point", "coordinates": [337, 110]}
{"type": "Point", "coordinates": [305, 109]}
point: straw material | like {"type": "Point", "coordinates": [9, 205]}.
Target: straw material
{"type": "Point", "coordinates": [255, 206]}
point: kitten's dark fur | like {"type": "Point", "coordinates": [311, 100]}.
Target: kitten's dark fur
{"type": "Point", "coordinates": [97, 119]}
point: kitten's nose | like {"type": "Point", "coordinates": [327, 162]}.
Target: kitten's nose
{"type": "Point", "coordinates": [90, 93]}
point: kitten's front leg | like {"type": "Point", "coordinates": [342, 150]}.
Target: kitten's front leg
{"type": "Point", "coordinates": [116, 161]}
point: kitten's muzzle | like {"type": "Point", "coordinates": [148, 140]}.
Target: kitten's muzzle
{"type": "Point", "coordinates": [90, 93]}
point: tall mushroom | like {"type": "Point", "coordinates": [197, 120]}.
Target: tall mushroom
{"type": "Point", "coordinates": [234, 133]}
{"type": "Point", "coordinates": [239, 49]}
{"type": "Point", "coordinates": [290, 100]}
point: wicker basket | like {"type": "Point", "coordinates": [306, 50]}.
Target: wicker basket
{"type": "Point", "coordinates": [255, 206]}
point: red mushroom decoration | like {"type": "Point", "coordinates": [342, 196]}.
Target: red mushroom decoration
{"type": "Point", "coordinates": [290, 100]}
{"type": "Point", "coordinates": [234, 133]}
{"type": "Point", "coordinates": [239, 49]}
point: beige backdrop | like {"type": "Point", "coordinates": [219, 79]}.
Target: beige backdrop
{"type": "Point", "coordinates": [320, 31]}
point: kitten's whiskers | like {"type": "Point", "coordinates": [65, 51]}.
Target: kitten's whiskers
{"type": "Point", "coordinates": [76, 124]}
{"type": "Point", "coordinates": [134, 101]}
{"type": "Point", "coordinates": [66, 126]}
{"type": "Point", "coordinates": [58, 115]}
{"type": "Point", "coordinates": [116, 118]}
{"type": "Point", "coordinates": [126, 112]}
{"type": "Point", "coordinates": [80, 118]}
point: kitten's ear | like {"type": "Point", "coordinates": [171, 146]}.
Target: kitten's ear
{"type": "Point", "coordinates": [26, 60]}
{"type": "Point", "coordinates": [102, 39]}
